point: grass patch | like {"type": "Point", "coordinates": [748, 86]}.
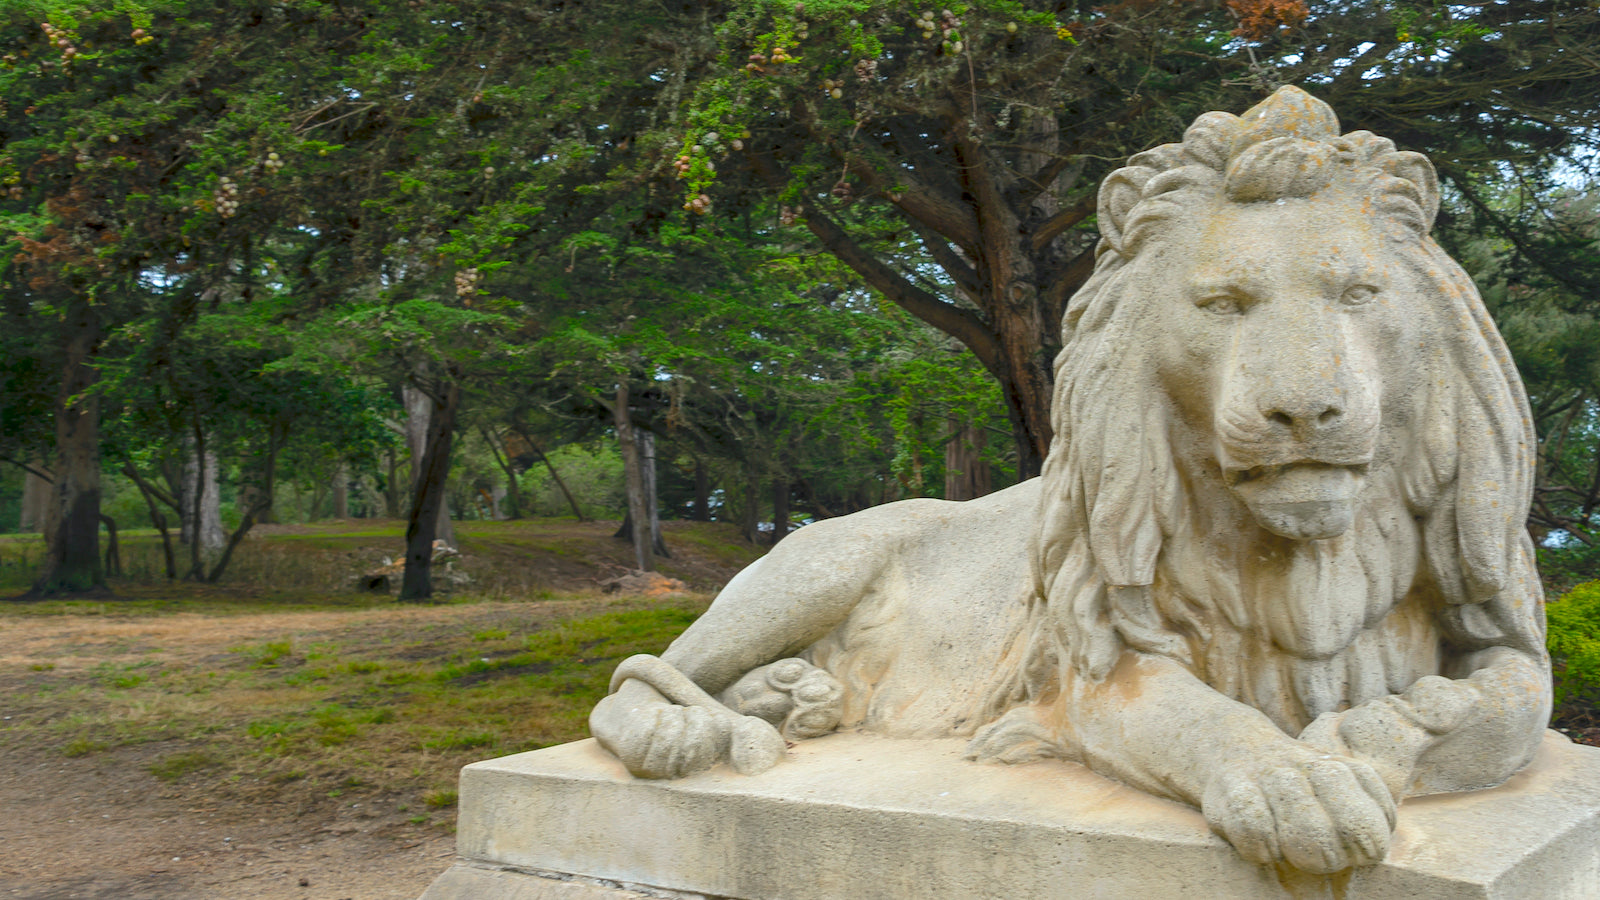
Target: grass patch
{"type": "Point", "coordinates": [459, 741]}
{"type": "Point", "coordinates": [416, 705]}
{"type": "Point", "coordinates": [270, 654]}
{"type": "Point", "coordinates": [440, 799]}
{"type": "Point", "coordinates": [83, 746]}
{"type": "Point", "coordinates": [179, 765]}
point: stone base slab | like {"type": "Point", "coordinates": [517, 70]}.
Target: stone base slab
{"type": "Point", "coordinates": [869, 818]}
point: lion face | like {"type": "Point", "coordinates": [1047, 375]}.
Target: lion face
{"type": "Point", "coordinates": [1283, 339]}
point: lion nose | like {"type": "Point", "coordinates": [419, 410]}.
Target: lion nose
{"type": "Point", "coordinates": [1302, 417]}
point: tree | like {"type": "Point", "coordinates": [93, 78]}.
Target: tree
{"type": "Point", "coordinates": [951, 158]}
{"type": "Point", "coordinates": [144, 146]}
{"type": "Point", "coordinates": [1543, 290]}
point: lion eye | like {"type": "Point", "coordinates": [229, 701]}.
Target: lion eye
{"type": "Point", "coordinates": [1359, 295]}
{"type": "Point", "coordinates": [1222, 304]}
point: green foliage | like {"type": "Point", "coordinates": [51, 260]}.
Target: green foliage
{"type": "Point", "coordinates": [1574, 640]}
{"type": "Point", "coordinates": [1541, 285]}
{"type": "Point", "coordinates": [592, 473]}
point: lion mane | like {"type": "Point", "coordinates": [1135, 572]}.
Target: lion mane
{"type": "Point", "coordinates": [1122, 556]}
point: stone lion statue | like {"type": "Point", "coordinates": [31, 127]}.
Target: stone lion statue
{"type": "Point", "coordinates": [1275, 566]}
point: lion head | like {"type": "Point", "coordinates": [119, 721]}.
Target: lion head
{"type": "Point", "coordinates": [1281, 411]}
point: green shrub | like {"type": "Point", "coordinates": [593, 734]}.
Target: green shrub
{"type": "Point", "coordinates": [1574, 640]}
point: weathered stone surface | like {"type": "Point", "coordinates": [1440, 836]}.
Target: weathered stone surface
{"type": "Point", "coordinates": [870, 818]}
{"type": "Point", "coordinates": [1276, 565]}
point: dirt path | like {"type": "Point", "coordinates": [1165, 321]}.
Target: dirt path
{"type": "Point", "coordinates": [101, 825]}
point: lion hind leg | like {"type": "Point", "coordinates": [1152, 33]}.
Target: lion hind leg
{"type": "Point", "coordinates": [1024, 734]}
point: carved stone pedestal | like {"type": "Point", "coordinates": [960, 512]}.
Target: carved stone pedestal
{"type": "Point", "coordinates": [869, 818]}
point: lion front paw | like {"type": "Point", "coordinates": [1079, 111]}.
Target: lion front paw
{"type": "Point", "coordinates": [803, 700]}
{"type": "Point", "coordinates": [661, 740]}
{"type": "Point", "coordinates": [1318, 812]}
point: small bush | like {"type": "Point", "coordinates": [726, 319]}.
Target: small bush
{"type": "Point", "coordinates": [440, 799]}
{"type": "Point", "coordinates": [1574, 640]}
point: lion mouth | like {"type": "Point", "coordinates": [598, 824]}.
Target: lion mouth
{"type": "Point", "coordinates": [1237, 476]}
{"type": "Point", "coordinates": [1304, 501]}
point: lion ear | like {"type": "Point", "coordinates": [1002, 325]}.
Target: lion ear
{"type": "Point", "coordinates": [1119, 194]}
{"type": "Point", "coordinates": [1417, 171]}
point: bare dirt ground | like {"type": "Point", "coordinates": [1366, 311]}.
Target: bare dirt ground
{"type": "Point", "coordinates": [102, 826]}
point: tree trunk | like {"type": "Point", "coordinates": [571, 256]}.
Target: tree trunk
{"type": "Point", "coordinates": [251, 497]}
{"type": "Point", "coordinates": [202, 507]}
{"type": "Point", "coordinates": [1026, 386]}
{"type": "Point", "coordinates": [391, 488]}
{"type": "Point", "coordinates": [35, 499]}
{"type": "Point", "coordinates": [72, 558]}
{"type": "Point", "coordinates": [647, 465]}
{"type": "Point", "coordinates": [780, 509]}
{"type": "Point", "coordinates": [966, 475]}
{"type": "Point", "coordinates": [702, 492]}
{"type": "Point", "coordinates": [341, 491]}
{"type": "Point", "coordinates": [113, 548]}
{"type": "Point", "coordinates": [420, 409]}
{"type": "Point", "coordinates": [151, 494]}
{"type": "Point", "coordinates": [200, 497]}
{"type": "Point", "coordinates": [751, 513]}
{"type": "Point", "coordinates": [428, 501]}
{"type": "Point", "coordinates": [258, 511]}
{"type": "Point", "coordinates": [512, 494]}
{"type": "Point", "coordinates": [638, 507]}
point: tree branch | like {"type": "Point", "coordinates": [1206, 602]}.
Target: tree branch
{"type": "Point", "coordinates": [153, 490]}
{"type": "Point", "coordinates": [996, 219]}
{"type": "Point", "coordinates": [1064, 285]}
{"type": "Point", "coordinates": [29, 469]}
{"type": "Point", "coordinates": [959, 323]}
{"type": "Point", "coordinates": [924, 203]}
{"type": "Point", "coordinates": [955, 264]}
{"type": "Point", "coordinates": [918, 198]}
{"type": "Point", "coordinates": [1061, 221]}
